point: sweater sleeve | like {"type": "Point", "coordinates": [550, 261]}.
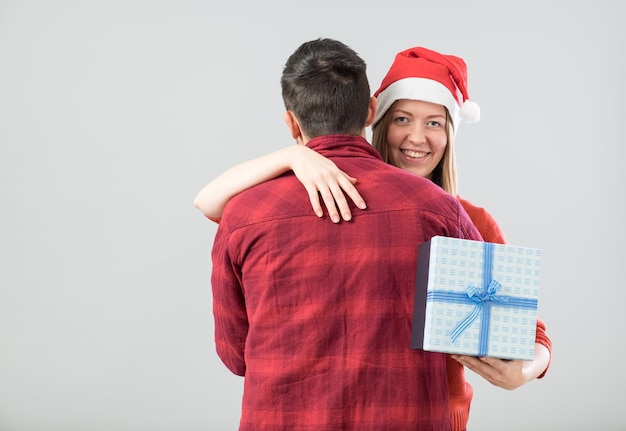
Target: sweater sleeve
{"type": "Point", "coordinates": [542, 338]}
{"type": "Point", "coordinates": [492, 232]}
{"type": "Point", "coordinates": [489, 229]}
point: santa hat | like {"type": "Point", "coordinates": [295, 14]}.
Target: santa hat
{"type": "Point", "coordinates": [421, 74]}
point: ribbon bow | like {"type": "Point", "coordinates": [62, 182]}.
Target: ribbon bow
{"type": "Point", "coordinates": [481, 299]}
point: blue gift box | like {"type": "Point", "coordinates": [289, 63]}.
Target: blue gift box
{"type": "Point", "coordinates": [476, 298]}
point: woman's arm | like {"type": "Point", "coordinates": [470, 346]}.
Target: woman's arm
{"type": "Point", "coordinates": [318, 175]}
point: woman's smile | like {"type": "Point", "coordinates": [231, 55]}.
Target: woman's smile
{"type": "Point", "coordinates": [411, 154]}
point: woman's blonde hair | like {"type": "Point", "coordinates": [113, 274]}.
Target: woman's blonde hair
{"type": "Point", "coordinates": [444, 175]}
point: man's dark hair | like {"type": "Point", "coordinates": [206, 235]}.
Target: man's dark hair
{"type": "Point", "coordinates": [324, 83]}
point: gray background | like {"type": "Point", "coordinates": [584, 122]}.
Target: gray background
{"type": "Point", "coordinates": [113, 115]}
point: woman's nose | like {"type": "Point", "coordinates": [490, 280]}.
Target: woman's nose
{"type": "Point", "coordinates": [416, 135]}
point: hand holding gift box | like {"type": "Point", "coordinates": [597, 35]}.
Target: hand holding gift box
{"type": "Point", "coordinates": [476, 298]}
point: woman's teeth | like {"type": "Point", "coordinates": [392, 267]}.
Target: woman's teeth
{"type": "Point", "coordinates": [414, 154]}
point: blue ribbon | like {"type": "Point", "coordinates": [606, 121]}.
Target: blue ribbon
{"type": "Point", "coordinates": [484, 298]}
{"type": "Point", "coordinates": [481, 299]}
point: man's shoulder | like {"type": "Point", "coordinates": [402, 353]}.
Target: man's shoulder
{"type": "Point", "coordinates": [412, 184]}
{"type": "Point", "coordinates": [395, 188]}
{"type": "Point", "coordinates": [267, 199]}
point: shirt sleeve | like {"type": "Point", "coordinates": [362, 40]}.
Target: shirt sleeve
{"type": "Point", "coordinates": [229, 311]}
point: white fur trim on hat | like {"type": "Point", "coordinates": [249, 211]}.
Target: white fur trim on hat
{"type": "Point", "coordinates": [427, 90]}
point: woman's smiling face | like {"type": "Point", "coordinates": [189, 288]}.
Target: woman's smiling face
{"type": "Point", "coordinates": [417, 137]}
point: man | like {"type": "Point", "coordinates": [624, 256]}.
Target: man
{"type": "Point", "coordinates": [317, 315]}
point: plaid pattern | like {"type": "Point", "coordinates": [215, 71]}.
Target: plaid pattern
{"type": "Point", "coordinates": [316, 315]}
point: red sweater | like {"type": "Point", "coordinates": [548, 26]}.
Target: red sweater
{"type": "Point", "coordinates": [460, 390]}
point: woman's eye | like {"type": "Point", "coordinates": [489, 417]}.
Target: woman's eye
{"type": "Point", "coordinates": [400, 120]}
{"type": "Point", "coordinates": [434, 123]}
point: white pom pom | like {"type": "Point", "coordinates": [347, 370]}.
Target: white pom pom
{"type": "Point", "coordinates": [470, 112]}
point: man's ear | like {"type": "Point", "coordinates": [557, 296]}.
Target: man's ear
{"type": "Point", "coordinates": [371, 111]}
{"type": "Point", "coordinates": [293, 125]}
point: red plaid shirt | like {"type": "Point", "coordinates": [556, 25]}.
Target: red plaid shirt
{"type": "Point", "coordinates": [317, 315]}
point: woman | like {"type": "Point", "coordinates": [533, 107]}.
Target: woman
{"type": "Point", "coordinates": [421, 102]}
